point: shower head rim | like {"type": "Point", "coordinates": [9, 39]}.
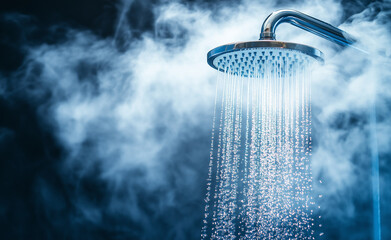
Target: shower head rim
{"type": "Point", "coordinates": [232, 47]}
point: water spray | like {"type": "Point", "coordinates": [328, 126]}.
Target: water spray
{"type": "Point", "coordinates": [259, 180]}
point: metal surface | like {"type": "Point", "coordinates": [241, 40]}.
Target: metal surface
{"type": "Point", "coordinates": [268, 36]}
{"type": "Point", "coordinates": [228, 48]}
{"type": "Point", "coordinates": [304, 22]}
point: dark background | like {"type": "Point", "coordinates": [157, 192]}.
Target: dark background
{"type": "Point", "coordinates": [41, 200]}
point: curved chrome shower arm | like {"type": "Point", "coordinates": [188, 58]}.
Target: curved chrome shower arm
{"type": "Point", "coordinates": [305, 22]}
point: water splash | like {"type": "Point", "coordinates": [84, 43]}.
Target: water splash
{"type": "Point", "coordinates": [259, 180]}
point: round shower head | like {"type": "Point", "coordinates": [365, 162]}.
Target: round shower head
{"type": "Point", "coordinates": [245, 54]}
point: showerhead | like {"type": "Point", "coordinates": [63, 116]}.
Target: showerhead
{"type": "Point", "coordinates": [245, 58]}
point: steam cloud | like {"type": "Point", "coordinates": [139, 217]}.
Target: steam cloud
{"type": "Point", "coordinates": [132, 119]}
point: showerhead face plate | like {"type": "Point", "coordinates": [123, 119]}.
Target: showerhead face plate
{"type": "Point", "coordinates": [249, 58]}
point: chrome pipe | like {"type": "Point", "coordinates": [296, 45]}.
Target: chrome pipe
{"type": "Point", "coordinates": [305, 22]}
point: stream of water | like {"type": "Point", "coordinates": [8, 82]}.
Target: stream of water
{"type": "Point", "coordinates": [259, 182]}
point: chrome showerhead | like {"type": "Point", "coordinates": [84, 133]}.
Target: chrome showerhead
{"type": "Point", "coordinates": [244, 57]}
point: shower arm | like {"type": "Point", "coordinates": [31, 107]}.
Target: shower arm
{"type": "Point", "coordinates": [305, 22]}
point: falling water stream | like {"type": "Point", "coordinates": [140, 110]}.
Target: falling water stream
{"type": "Point", "coordinates": [259, 182]}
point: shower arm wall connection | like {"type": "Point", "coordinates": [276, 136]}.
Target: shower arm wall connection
{"type": "Point", "coordinates": [305, 22]}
